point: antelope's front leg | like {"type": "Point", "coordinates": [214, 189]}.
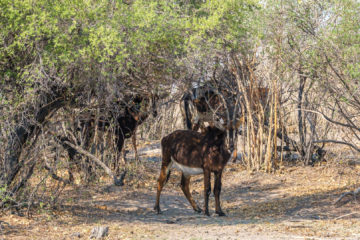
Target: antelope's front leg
{"type": "Point", "coordinates": [217, 190]}
{"type": "Point", "coordinates": [133, 138]}
{"type": "Point", "coordinates": [207, 190]}
{"type": "Point", "coordinates": [185, 182]}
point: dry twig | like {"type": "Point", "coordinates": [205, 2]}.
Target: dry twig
{"type": "Point", "coordinates": [352, 193]}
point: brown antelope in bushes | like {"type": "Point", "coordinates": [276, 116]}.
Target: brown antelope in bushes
{"type": "Point", "coordinates": [194, 153]}
{"type": "Point", "coordinates": [133, 110]}
{"type": "Point", "coordinates": [215, 107]}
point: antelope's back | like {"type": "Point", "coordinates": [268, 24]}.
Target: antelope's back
{"type": "Point", "coordinates": [184, 146]}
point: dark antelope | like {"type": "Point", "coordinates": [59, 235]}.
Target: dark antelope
{"type": "Point", "coordinates": [205, 104]}
{"type": "Point", "coordinates": [137, 111]}
{"type": "Point", "coordinates": [194, 153]}
{"type": "Point", "coordinates": [133, 111]}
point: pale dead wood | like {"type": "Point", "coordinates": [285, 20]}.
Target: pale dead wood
{"type": "Point", "coordinates": [351, 193]}
{"type": "Point", "coordinates": [349, 214]}
{"type": "Point", "coordinates": [117, 181]}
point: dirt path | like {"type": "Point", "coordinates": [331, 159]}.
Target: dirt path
{"type": "Point", "coordinates": [296, 203]}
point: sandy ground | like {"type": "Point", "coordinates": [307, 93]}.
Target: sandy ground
{"type": "Point", "coordinates": [294, 203]}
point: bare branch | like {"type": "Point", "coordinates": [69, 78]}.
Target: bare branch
{"type": "Point", "coordinates": [92, 157]}
{"type": "Point", "coordinates": [330, 120]}
{"type": "Point", "coordinates": [118, 182]}
{"type": "Point", "coordinates": [338, 142]}
{"type": "Point", "coordinates": [346, 215]}
{"type": "Point", "coordinates": [352, 193]}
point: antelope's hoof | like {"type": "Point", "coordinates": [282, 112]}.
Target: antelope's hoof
{"type": "Point", "coordinates": [207, 213]}
{"type": "Point", "coordinates": [157, 210]}
{"type": "Point", "coordinates": [221, 214]}
{"type": "Point", "coordinates": [198, 210]}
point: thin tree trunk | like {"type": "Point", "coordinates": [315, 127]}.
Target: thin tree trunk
{"type": "Point", "coordinates": [21, 134]}
{"type": "Point", "coordinates": [300, 114]}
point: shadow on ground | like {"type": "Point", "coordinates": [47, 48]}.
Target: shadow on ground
{"type": "Point", "coordinates": [247, 204]}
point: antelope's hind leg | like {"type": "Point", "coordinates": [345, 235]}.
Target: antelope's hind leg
{"type": "Point", "coordinates": [164, 176]}
{"type": "Point", "coordinates": [185, 182]}
{"type": "Point", "coordinates": [207, 190]}
{"type": "Point", "coordinates": [217, 190]}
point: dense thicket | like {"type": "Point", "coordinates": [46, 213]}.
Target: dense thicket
{"type": "Point", "coordinates": [61, 59]}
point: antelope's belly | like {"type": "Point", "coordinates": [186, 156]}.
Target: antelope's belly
{"type": "Point", "coordinates": [187, 171]}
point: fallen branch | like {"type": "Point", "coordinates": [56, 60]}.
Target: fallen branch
{"type": "Point", "coordinates": [352, 193]}
{"type": "Point", "coordinates": [117, 182]}
{"type": "Point", "coordinates": [346, 215]}
{"type": "Point", "coordinates": [91, 156]}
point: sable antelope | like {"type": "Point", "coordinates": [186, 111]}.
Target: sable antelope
{"type": "Point", "coordinates": [194, 153]}
{"type": "Point", "coordinates": [133, 111]}
{"type": "Point", "coordinates": [136, 112]}
{"type": "Point", "coordinates": [205, 105]}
